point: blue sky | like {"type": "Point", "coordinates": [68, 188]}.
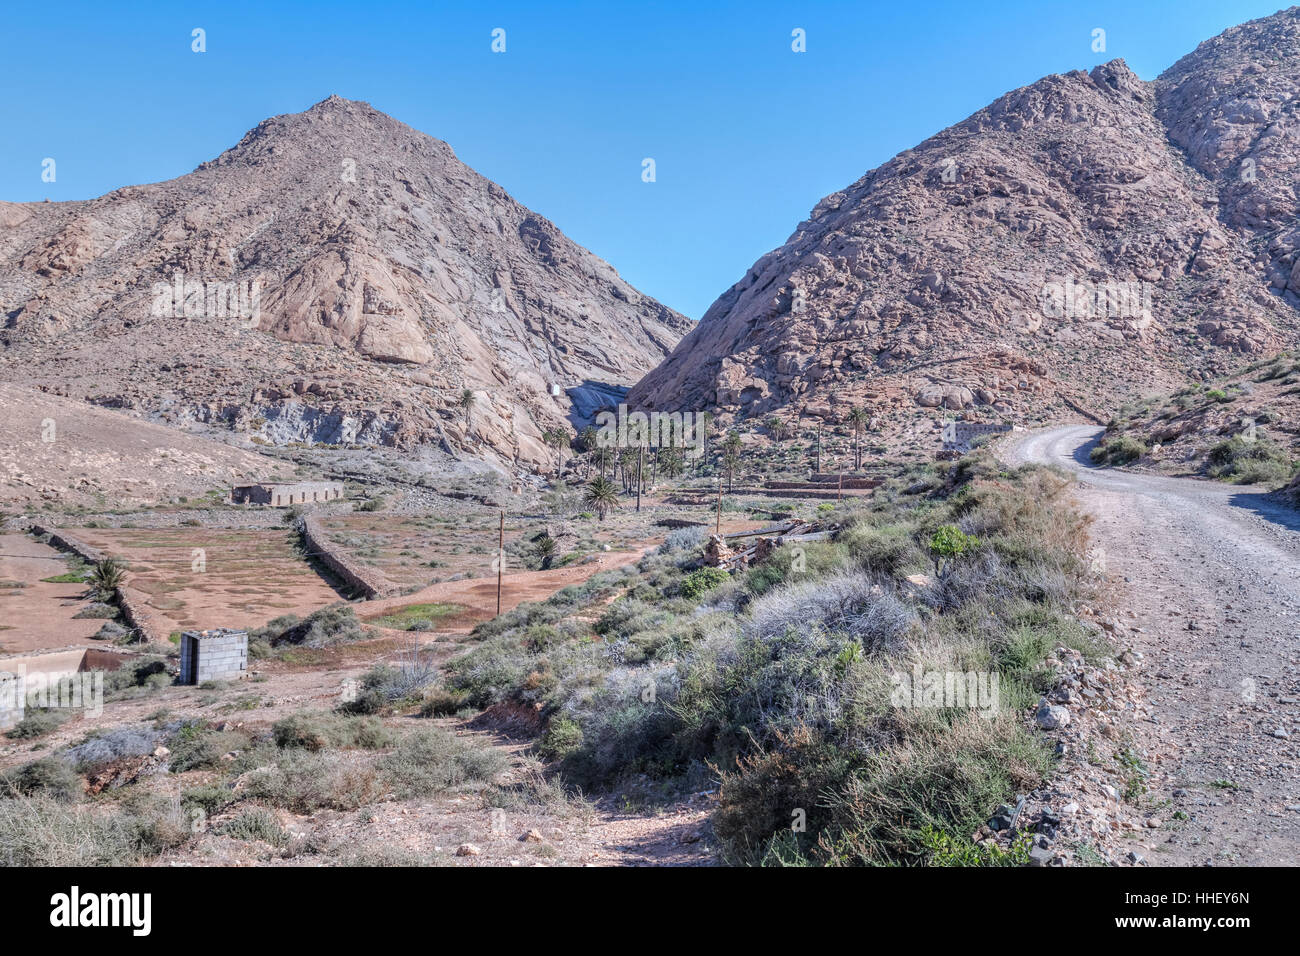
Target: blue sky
{"type": "Point", "coordinates": [746, 134]}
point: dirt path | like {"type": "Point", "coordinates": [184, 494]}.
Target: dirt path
{"type": "Point", "coordinates": [479, 595]}
{"type": "Point", "coordinates": [1207, 578]}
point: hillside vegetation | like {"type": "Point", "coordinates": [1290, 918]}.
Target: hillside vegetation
{"type": "Point", "coordinates": [1240, 428]}
{"type": "Point", "coordinates": [778, 680]}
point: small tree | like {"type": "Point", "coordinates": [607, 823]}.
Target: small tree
{"type": "Point", "coordinates": [466, 403]}
{"type": "Point", "coordinates": [602, 495]}
{"type": "Point", "coordinates": [947, 545]}
{"type": "Point", "coordinates": [546, 548]}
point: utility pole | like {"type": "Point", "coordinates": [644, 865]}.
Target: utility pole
{"type": "Point", "coordinates": [819, 448]}
{"type": "Point", "coordinates": [501, 558]}
{"type": "Point", "coordinates": [717, 528]}
{"type": "Point", "coordinates": [640, 474]}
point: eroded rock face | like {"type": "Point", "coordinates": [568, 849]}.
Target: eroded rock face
{"type": "Point", "coordinates": [1055, 252]}
{"type": "Point", "coordinates": [390, 278]}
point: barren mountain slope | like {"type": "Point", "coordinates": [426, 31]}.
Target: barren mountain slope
{"type": "Point", "coordinates": [1231, 105]}
{"type": "Point", "coordinates": [58, 451]}
{"type": "Point", "coordinates": [949, 277]}
{"type": "Point", "coordinates": [391, 277]}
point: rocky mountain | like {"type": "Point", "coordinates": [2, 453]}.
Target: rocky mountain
{"type": "Point", "coordinates": [1082, 240]}
{"type": "Point", "coordinates": [335, 277]}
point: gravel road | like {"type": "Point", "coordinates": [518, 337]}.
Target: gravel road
{"type": "Point", "coordinates": [1206, 585]}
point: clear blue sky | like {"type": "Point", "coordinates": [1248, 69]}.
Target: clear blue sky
{"type": "Point", "coordinates": [746, 134]}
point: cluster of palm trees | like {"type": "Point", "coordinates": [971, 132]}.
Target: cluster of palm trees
{"type": "Point", "coordinates": [636, 468]}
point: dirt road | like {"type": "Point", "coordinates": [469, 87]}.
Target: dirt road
{"type": "Point", "coordinates": [1207, 585]}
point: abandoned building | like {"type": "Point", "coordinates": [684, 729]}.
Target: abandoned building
{"type": "Point", "coordinates": [218, 654]}
{"type": "Point", "coordinates": [284, 494]}
{"type": "Point", "coordinates": [957, 436]}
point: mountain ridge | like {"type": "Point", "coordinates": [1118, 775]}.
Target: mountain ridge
{"type": "Point", "coordinates": [393, 278]}
{"type": "Point", "coordinates": [932, 281]}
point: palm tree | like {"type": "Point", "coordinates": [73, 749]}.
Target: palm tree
{"type": "Point", "coordinates": [602, 495]}
{"type": "Point", "coordinates": [705, 422]}
{"type": "Point", "coordinates": [466, 403]}
{"type": "Point", "coordinates": [587, 440]}
{"type": "Point", "coordinates": [546, 548]}
{"type": "Point", "coordinates": [731, 457]}
{"type": "Point", "coordinates": [858, 418]}
{"type": "Point", "coordinates": [107, 578]}
{"type": "Point", "coordinates": [558, 439]}
{"type": "Point", "coordinates": [671, 463]}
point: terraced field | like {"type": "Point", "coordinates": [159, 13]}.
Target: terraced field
{"type": "Point", "coordinates": [200, 577]}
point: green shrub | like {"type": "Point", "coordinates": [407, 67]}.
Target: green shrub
{"type": "Point", "coordinates": [336, 624]}
{"type": "Point", "coordinates": [256, 824]}
{"type": "Point", "coordinates": [49, 776]}
{"type": "Point", "coordinates": [701, 581]}
{"type": "Point", "coordinates": [1118, 450]}
{"type": "Point", "coordinates": [210, 798]}
{"type": "Point", "coordinates": [36, 723]}
{"type": "Point", "coordinates": [563, 738]}
{"type": "Point", "coordinates": [316, 731]}
{"type": "Point", "coordinates": [432, 760]}
{"type": "Point", "coordinates": [197, 746]}
{"type": "Point", "coordinates": [1258, 461]}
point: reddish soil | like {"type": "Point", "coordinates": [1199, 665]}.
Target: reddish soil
{"type": "Point", "coordinates": [38, 616]}
{"type": "Point", "coordinates": [248, 576]}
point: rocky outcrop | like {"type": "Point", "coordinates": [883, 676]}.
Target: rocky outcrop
{"type": "Point", "coordinates": [334, 260]}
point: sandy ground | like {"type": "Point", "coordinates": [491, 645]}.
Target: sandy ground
{"type": "Point", "coordinates": [1207, 577]}
{"type": "Point", "coordinates": [38, 616]}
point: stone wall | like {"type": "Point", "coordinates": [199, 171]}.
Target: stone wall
{"type": "Point", "coordinates": [132, 602]}
{"type": "Point", "coordinates": [368, 582]}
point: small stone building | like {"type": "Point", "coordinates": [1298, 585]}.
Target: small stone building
{"type": "Point", "coordinates": [218, 654]}
{"type": "Point", "coordinates": [285, 494]}
{"type": "Point", "coordinates": [957, 436]}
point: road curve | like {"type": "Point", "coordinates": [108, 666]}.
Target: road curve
{"type": "Point", "coordinates": [1206, 578]}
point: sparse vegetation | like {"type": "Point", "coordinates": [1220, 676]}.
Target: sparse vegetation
{"type": "Point", "coordinates": [1117, 450]}
{"type": "Point", "coordinates": [779, 679]}
{"type": "Point", "coordinates": [1257, 461]}
{"type": "Point", "coordinates": [332, 625]}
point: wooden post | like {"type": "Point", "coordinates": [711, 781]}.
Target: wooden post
{"type": "Point", "coordinates": [839, 495]}
{"type": "Point", "coordinates": [501, 558]}
{"type": "Point", "coordinates": [640, 474]}
{"type": "Point", "coordinates": [819, 448]}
